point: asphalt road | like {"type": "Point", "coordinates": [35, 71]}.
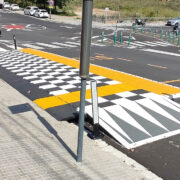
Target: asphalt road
{"type": "Point", "coordinates": [154, 60]}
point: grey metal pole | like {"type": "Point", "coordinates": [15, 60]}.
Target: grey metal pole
{"type": "Point", "coordinates": [84, 67]}
{"type": "Point", "coordinates": [81, 120]}
{"type": "Point", "coordinates": [14, 38]}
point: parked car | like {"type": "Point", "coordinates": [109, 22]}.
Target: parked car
{"type": "Point", "coordinates": [14, 7]}
{"type": "Point", "coordinates": [30, 10]}
{"type": "Point", "coordinates": [6, 5]}
{"type": "Point", "coordinates": [41, 13]}
{"type": "Point", "coordinates": [172, 22]}
{"type": "Point", "coordinates": [176, 28]}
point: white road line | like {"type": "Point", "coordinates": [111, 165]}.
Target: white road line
{"type": "Point", "coordinates": [32, 46]}
{"type": "Point", "coordinates": [97, 44]}
{"type": "Point", "coordinates": [48, 45]}
{"type": "Point", "coordinates": [62, 44]}
{"type": "Point", "coordinates": [58, 92]}
{"type": "Point", "coordinates": [2, 49]}
{"type": "Point", "coordinates": [146, 44]}
{"type": "Point", "coordinates": [134, 44]}
{"type": "Point", "coordinates": [161, 52]}
{"type": "Point", "coordinates": [158, 43]}
{"type": "Point", "coordinates": [75, 43]}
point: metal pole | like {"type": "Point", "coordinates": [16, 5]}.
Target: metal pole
{"type": "Point", "coordinates": [14, 38]}
{"type": "Point", "coordinates": [81, 120]}
{"type": "Point", "coordinates": [84, 67]}
{"type": "Point", "coordinates": [50, 13]}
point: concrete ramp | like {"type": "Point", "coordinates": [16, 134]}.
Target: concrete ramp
{"type": "Point", "coordinates": [138, 117]}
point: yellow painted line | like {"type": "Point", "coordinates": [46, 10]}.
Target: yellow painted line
{"type": "Point", "coordinates": [126, 79]}
{"type": "Point", "coordinates": [171, 81]}
{"type": "Point", "coordinates": [53, 101]}
{"type": "Point", "coordinates": [123, 59]}
{"type": "Point", "coordinates": [103, 57]}
{"type": "Point", "coordinates": [156, 66]}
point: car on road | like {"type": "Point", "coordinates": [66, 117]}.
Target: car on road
{"type": "Point", "coordinates": [41, 13]}
{"type": "Point", "coordinates": [6, 5]}
{"type": "Point", "coordinates": [172, 22]}
{"type": "Point", "coordinates": [14, 7]}
{"type": "Point", "coordinates": [30, 10]}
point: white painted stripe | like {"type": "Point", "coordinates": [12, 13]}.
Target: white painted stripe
{"type": "Point", "coordinates": [62, 44]}
{"type": "Point", "coordinates": [134, 44]}
{"type": "Point", "coordinates": [97, 44]}
{"type": "Point", "coordinates": [162, 101]}
{"type": "Point", "coordinates": [2, 49]}
{"type": "Point", "coordinates": [32, 46]}
{"type": "Point", "coordinates": [38, 81]}
{"type": "Point", "coordinates": [49, 86]}
{"type": "Point", "coordinates": [48, 45]}
{"type": "Point", "coordinates": [161, 52]}
{"type": "Point", "coordinates": [152, 139]}
{"type": "Point", "coordinates": [56, 81]}
{"type": "Point", "coordinates": [75, 43]}
{"type": "Point", "coordinates": [123, 115]}
{"type": "Point", "coordinates": [146, 44]}
{"type": "Point", "coordinates": [157, 43]}
{"type": "Point", "coordinates": [164, 43]}
{"type": "Point", "coordinates": [30, 77]}
{"type": "Point", "coordinates": [58, 92]}
{"type": "Point", "coordinates": [22, 74]}
{"type": "Point", "coordinates": [105, 118]}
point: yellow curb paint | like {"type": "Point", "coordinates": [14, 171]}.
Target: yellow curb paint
{"type": "Point", "coordinates": [129, 82]}
{"type": "Point", "coordinates": [59, 100]}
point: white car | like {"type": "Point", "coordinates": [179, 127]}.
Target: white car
{"type": "Point", "coordinates": [14, 7]}
{"type": "Point", "coordinates": [30, 10]}
{"type": "Point", "coordinates": [172, 22]}
{"type": "Point", "coordinates": [6, 5]}
{"type": "Point", "coordinates": [41, 13]}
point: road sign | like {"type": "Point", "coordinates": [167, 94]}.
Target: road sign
{"type": "Point", "coordinates": [51, 4]}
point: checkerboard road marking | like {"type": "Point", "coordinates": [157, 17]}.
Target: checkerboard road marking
{"type": "Point", "coordinates": [133, 117]}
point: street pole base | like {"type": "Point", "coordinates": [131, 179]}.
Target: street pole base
{"type": "Point", "coordinates": [95, 136]}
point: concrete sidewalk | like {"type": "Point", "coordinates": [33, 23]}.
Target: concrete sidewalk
{"type": "Point", "coordinates": [34, 145]}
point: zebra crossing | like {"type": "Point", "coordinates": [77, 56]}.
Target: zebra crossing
{"type": "Point", "coordinates": [139, 44]}
{"type": "Point", "coordinates": [6, 45]}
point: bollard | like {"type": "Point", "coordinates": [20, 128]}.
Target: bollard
{"type": "Point", "coordinates": [0, 32]}
{"type": "Point", "coordinates": [115, 37]}
{"type": "Point", "coordinates": [178, 42]}
{"type": "Point", "coordinates": [134, 27]}
{"type": "Point", "coordinates": [169, 36]}
{"type": "Point", "coordinates": [150, 31]}
{"type": "Point", "coordinates": [102, 37]}
{"type": "Point", "coordinates": [121, 37]}
{"type": "Point", "coordinates": [129, 40]}
{"type": "Point", "coordinates": [165, 38]}
{"type": "Point", "coordinates": [161, 36]}
{"type": "Point", "coordinates": [174, 38]}
{"type": "Point", "coordinates": [14, 38]}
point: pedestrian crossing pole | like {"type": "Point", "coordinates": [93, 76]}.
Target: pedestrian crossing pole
{"type": "Point", "coordinates": [14, 39]}
{"type": "Point", "coordinates": [115, 37]}
{"type": "Point", "coordinates": [102, 37]}
{"type": "Point", "coordinates": [84, 68]}
{"type": "Point", "coordinates": [129, 40]}
{"type": "Point", "coordinates": [161, 36]}
{"type": "Point", "coordinates": [121, 37]}
{"type": "Point", "coordinates": [178, 42]}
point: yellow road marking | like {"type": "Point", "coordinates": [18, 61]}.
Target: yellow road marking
{"type": "Point", "coordinates": [123, 59]}
{"type": "Point", "coordinates": [129, 82]}
{"type": "Point", "coordinates": [52, 101]}
{"type": "Point", "coordinates": [103, 57]}
{"type": "Point", "coordinates": [177, 80]}
{"type": "Point", "coordinates": [162, 67]}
